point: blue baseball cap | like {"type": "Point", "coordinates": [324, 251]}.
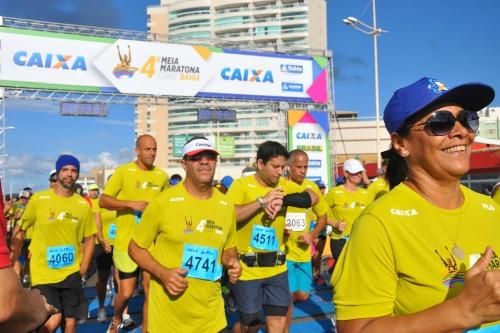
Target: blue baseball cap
{"type": "Point", "coordinates": [428, 92]}
{"type": "Point", "coordinates": [226, 181]}
{"type": "Point", "coordinates": [320, 183]}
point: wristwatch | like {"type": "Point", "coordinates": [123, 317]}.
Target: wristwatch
{"type": "Point", "coordinates": [260, 200]}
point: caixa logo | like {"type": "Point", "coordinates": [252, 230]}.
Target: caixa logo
{"type": "Point", "coordinates": [49, 60]}
{"type": "Point", "coordinates": [248, 75]}
{"type": "Point", "coordinates": [309, 136]}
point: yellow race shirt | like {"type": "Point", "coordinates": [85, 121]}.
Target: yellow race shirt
{"type": "Point", "coordinates": [378, 188]}
{"type": "Point", "coordinates": [400, 258]}
{"type": "Point", "coordinates": [299, 221]}
{"type": "Point", "coordinates": [246, 190]}
{"type": "Point", "coordinates": [176, 222]}
{"type": "Point", "coordinates": [346, 206]}
{"type": "Point", "coordinates": [129, 182]}
{"type": "Point", "coordinates": [60, 225]}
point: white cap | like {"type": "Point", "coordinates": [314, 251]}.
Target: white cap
{"type": "Point", "coordinates": [197, 146]}
{"type": "Point", "coordinates": [52, 172]}
{"type": "Point", "coordinates": [353, 166]}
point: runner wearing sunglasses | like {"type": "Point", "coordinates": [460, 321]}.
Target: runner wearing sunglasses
{"type": "Point", "coordinates": [422, 258]}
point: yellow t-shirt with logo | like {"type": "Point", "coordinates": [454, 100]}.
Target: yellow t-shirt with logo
{"type": "Point", "coordinates": [129, 182]}
{"type": "Point", "coordinates": [378, 188]}
{"type": "Point", "coordinates": [170, 221]}
{"type": "Point", "coordinates": [346, 206]}
{"type": "Point", "coordinates": [400, 259]}
{"type": "Point", "coordinates": [246, 190]}
{"type": "Point", "coordinates": [57, 222]}
{"type": "Point", "coordinates": [299, 220]}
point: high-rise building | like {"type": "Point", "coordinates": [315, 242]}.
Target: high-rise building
{"type": "Point", "coordinates": [271, 25]}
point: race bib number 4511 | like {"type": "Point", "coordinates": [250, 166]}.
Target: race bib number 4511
{"type": "Point", "coordinates": [201, 262]}
{"type": "Point", "coordinates": [264, 238]}
{"type": "Point", "coordinates": [60, 256]}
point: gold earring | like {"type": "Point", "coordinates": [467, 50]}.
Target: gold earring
{"type": "Point", "coordinates": [404, 152]}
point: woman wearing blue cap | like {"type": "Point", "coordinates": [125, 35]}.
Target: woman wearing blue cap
{"type": "Point", "coordinates": [423, 258]}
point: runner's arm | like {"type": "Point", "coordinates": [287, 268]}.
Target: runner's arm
{"type": "Point", "coordinates": [112, 203]}
{"type": "Point", "coordinates": [172, 278]}
{"type": "Point", "coordinates": [16, 243]}
{"type": "Point", "coordinates": [87, 253]}
{"type": "Point", "coordinates": [21, 310]}
{"type": "Point", "coordinates": [245, 211]}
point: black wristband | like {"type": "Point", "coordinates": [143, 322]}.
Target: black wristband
{"type": "Point", "coordinates": [299, 200]}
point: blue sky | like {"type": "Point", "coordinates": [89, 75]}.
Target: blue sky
{"type": "Point", "coordinates": [455, 41]}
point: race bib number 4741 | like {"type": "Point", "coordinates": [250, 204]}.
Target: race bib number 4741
{"type": "Point", "coordinates": [202, 262]}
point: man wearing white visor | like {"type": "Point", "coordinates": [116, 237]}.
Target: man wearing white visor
{"type": "Point", "coordinates": [192, 228]}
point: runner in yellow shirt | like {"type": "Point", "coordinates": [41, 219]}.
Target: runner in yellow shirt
{"type": "Point", "coordinates": [424, 257]}
{"type": "Point", "coordinates": [379, 186]}
{"type": "Point", "coordinates": [346, 201]}
{"type": "Point", "coordinates": [103, 253]}
{"type": "Point", "coordinates": [300, 238]}
{"type": "Point", "coordinates": [260, 230]}
{"type": "Point", "coordinates": [61, 221]}
{"type": "Point", "coordinates": [129, 190]}
{"type": "Point", "coordinates": [192, 228]}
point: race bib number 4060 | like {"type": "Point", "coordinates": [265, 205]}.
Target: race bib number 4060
{"type": "Point", "coordinates": [201, 262]}
{"type": "Point", "coordinates": [60, 256]}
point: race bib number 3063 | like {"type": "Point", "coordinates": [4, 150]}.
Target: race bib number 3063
{"type": "Point", "coordinates": [201, 262]}
{"type": "Point", "coordinates": [264, 238]}
{"type": "Point", "coordinates": [60, 256]}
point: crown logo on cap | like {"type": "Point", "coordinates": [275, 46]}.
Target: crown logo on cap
{"type": "Point", "coordinates": [436, 86]}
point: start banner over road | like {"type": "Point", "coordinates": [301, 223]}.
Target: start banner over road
{"type": "Point", "coordinates": [36, 59]}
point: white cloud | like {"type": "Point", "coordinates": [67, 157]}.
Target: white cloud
{"type": "Point", "coordinates": [33, 170]}
{"type": "Point", "coordinates": [27, 105]}
{"type": "Point", "coordinates": [116, 122]}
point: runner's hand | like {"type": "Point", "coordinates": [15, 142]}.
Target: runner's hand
{"type": "Point", "coordinates": [138, 206]}
{"type": "Point", "coordinates": [105, 246]}
{"type": "Point", "coordinates": [306, 238]}
{"type": "Point", "coordinates": [341, 226]}
{"type": "Point", "coordinates": [233, 270]}
{"type": "Point", "coordinates": [272, 208]}
{"type": "Point", "coordinates": [40, 309]}
{"type": "Point", "coordinates": [479, 300]}
{"type": "Point", "coordinates": [174, 280]}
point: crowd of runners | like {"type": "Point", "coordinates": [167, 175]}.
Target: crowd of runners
{"type": "Point", "coordinates": [412, 250]}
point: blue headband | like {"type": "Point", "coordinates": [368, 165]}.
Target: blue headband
{"type": "Point", "coordinates": [67, 160]}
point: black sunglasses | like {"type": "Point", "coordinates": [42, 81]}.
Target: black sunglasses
{"type": "Point", "coordinates": [199, 157]}
{"type": "Point", "coordinates": [442, 122]}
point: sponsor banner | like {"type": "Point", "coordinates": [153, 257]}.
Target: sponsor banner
{"type": "Point", "coordinates": [308, 131]}
{"type": "Point", "coordinates": [225, 146]}
{"type": "Point", "coordinates": [83, 63]}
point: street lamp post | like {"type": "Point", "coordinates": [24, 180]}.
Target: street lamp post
{"type": "Point", "coordinates": [374, 31]}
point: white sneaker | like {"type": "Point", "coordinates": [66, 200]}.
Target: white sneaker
{"type": "Point", "coordinates": [128, 323]}
{"type": "Point", "coordinates": [101, 315]}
